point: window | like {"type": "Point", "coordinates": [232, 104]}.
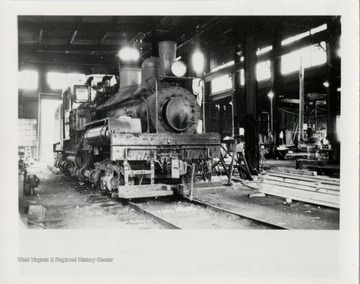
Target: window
{"type": "Point", "coordinates": [318, 29]}
{"type": "Point", "coordinates": [221, 83]}
{"type": "Point", "coordinates": [318, 54]}
{"type": "Point", "coordinates": [74, 78]}
{"type": "Point", "coordinates": [62, 80]}
{"type": "Point", "coordinates": [242, 77]}
{"type": "Point", "coordinates": [263, 70]}
{"type": "Point", "coordinates": [28, 79]}
{"type": "Point", "coordinates": [223, 66]}
{"type": "Point", "coordinates": [295, 38]}
{"type": "Point", "coordinates": [264, 50]}
{"type": "Point", "coordinates": [27, 132]}
{"type": "Point", "coordinates": [311, 56]}
{"type": "Point", "coordinates": [56, 80]}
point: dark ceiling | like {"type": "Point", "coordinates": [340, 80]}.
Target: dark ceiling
{"type": "Point", "coordinates": [92, 42]}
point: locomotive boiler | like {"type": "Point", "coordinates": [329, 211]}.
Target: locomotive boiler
{"type": "Point", "coordinates": [141, 136]}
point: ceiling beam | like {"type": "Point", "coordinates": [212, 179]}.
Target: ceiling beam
{"type": "Point", "coordinates": [40, 35]}
{"type": "Point", "coordinates": [70, 27]}
{"type": "Point", "coordinates": [69, 59]}
{"type": "Point", "coordinates": [73, 36]}
{"type": "Point", "coordinates": [64, 48]}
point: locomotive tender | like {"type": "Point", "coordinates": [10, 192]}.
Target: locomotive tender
{"type": "Point", "coordinates": [140, 137]}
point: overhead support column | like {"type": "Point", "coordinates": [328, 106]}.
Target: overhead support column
{"type": "Point", "coordinates": [236, 100]}
{"type": "Point", "coordinates": [301, 102]}
{"type": "Point", "coordinates": [206, 94]}
{"type": "Point", "coordinates": [154, 43]}
{"type": "Point", "coordinates": [275, 87]}
{"type": "Point", "coordinates": [334, 71]}
{"type": "Point", "coordinates": [250, 119]}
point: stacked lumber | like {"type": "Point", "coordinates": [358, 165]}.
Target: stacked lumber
{"type": "Point", "coordinates": [301, 185]}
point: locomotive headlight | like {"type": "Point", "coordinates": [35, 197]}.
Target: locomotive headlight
{"type": "Point", "coordinates": [129, 54]}
{"type": "Point", "coordinates": [198, 62]}
{"type": "Point", "coordinates": [178, 68]}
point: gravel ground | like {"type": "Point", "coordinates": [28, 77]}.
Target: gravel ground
{"type": "Point", "coordinates": [72, 206]}
{"type": "Point", "coordinates": [186, 215]}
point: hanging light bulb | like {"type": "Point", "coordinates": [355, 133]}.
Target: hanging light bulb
{"type": "Point", "coordinates": [198, 61]}
{"type": "Point", "coordinates": [129, 54]}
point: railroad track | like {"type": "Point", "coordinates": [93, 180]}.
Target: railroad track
{"type": "Point", "coordinates": [181, 213]}
{"type": "Point", "coordinates": [178, 212]}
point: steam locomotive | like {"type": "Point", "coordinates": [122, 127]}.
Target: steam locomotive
{"type": "Point", "coordinates": [140, 136]}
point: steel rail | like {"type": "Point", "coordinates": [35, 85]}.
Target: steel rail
{"type": "Point", "coordinates": [222, 210]}
{"type": "Point", "coordinates": [151, 215]}
{"type": "Point", "coordinates": [193, 201]}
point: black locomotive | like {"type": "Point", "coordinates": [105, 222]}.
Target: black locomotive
{"type": "Point", "coordinates": [139, 137]}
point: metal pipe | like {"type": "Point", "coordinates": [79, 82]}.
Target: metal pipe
{"type": "Point", "coordinates": [140, 90]}
{"type": "Point", "coordinates": [203, 103]}
{"type": "Point", "coordinates": [192, 182]}
{"type": "Point", "coordinates": [271, 116]}
{"type": "Point", "coordinates": [156, 104]}
{"type": "Point", "coordinates": [147, 115]}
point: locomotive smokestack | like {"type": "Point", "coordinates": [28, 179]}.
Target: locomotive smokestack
{"type": "Point", "coordinates": [167, 55]}
{"type": "Point", "coordinates": [129, 76]}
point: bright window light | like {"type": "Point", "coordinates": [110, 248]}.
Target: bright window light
{"type": "Point", "coordinates": [62, 81]}
{"type": "Point", "coordinates": [318, 54]}
{"type": "Point", "coordinates": [263, 70]}
{"type": "Point", "coordinates": [56, 80]}
{"type": "Point", "coordinates": [198, 62]}
{"type": "Point", "coordinates": [28, 79]}
{"type": "Point", "coordinates": [318, 29]}
{"type": "Point", "coordinates": [222, 83]}
{"type": "Point", "coordinates": [313, 55]}
{"type": "Point", "coordinates": [264, 50]}
{"type": "Point", "coordinates": [242, 77]}
{"type": "Point", "coordinates": [338, 127]}
{"type": "Point", "coordinates": [129, 54]}
{"type": "Point", "coordinates": [74, 78]}
{"type": "Point", "coordinates": [223, 66]}
{"type": "Point", "coordinates": [295, 38]}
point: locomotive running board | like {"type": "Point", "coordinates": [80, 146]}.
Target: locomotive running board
{"type": "Point", "coordinates": [144, 191]}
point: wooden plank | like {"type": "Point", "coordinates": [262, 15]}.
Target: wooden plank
{"type": "Point", "coordinates": [299, 187]}
{"type": "Point", "coordinates": [306, 178]}
{"type": "Point", "coordinates": [302, 187]}
{"type": "Point", "coordinates": [292, 182]}
{"type": "Point", "coordinates": [296, 194]}
{"type": "Point", "coordinates": [293, 171]}
{"type": "Point", "coordinates": [144, 194]}
{"type": "Point", "coordinates": [309, 183]}
{"type": "Point", "coordinates": [311, 197]}
{"type": "Point", "coordinates": [317, 202]}
{"type": "Point", "coordinates": [323, 178]}
{"type": "Point", "coordinates": [143, 191]}
{"type": "Point", "coordinates": [36, 212]}
{"type": "Point", "coordinates": [300, 190]}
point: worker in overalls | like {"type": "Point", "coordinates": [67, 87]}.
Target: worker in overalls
{"type": "Point", "coordinates": [262, 153]}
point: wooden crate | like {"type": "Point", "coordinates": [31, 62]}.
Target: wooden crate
{"type": "Point", "coordinates": [301, 186]}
